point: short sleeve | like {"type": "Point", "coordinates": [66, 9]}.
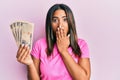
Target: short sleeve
{"type": "Point", "coordinates": [84, 48]}
{"type": "Point", "coordinates": [36, 50]}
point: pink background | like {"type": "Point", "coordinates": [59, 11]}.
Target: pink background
{"type": "Point", "coordinates": [98, 22]}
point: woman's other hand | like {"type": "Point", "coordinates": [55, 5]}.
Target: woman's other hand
{"type": "Point", "coordinates": [23, 55]}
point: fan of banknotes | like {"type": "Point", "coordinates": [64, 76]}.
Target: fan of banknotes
{"type": "Point", "coordinates": [23, 32]}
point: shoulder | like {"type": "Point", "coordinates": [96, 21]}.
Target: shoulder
{"type": "Point", "coordinates": [81, 42]}
{"type": "Point", "coordinates": [84, 48]}
{"type": "Point", "coordinates": [38, 47]}
{"type": "Point", "coordinates": [40, 42]}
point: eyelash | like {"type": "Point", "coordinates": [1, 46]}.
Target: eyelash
{"type": "Point", "coordinates": [65, 19]}
{"type": "Point", "coordinates": [56, 20]}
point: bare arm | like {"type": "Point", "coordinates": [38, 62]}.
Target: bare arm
{"type": "Point", "coordinates": [33, 70]}
{"type": "Point", "coordinates": [24, 57]}
{"type": "Point", "coordinates": [80, 70]}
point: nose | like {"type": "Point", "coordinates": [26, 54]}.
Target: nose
{"type": "Point", "coordinates": [59, 23]}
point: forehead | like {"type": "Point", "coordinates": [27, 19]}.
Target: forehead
{"type": "Point", "coordinates": [59, 13]}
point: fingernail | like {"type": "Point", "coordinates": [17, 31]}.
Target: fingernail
{"type": "Point", "coordinates": [68, 35]}
{"type": "Point", "coordinates": [30, 50]}
{"type": "Point", "coordinates": [60, 26]}
{"type": "Point", "coordinates": [23, 45]}
{"type": "Point", "coordinates": [26, 45]}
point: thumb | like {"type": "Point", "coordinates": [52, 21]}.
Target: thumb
{"type": "Point", "coordinates": [68, 35]}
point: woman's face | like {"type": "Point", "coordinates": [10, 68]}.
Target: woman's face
{"type": "Point", "coordinates": [59, 20]}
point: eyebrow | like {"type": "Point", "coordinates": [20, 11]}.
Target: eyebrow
{"type": "Point", "coordinates": [57, 17]}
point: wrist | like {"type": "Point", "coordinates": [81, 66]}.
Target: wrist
{"type": "Point", "coordinates": [64, 51]}
{"type": "Point", "coordinates": [30, 65]}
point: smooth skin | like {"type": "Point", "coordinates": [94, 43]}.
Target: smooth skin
{"type": "Point", "coordinates": [78, 71]}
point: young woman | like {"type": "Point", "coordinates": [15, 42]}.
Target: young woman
{"type": "Point", "coordinates": [61, 55]}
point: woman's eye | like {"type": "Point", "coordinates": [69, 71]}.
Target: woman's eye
{"type": "Point", "coordinates": [65, 19]}
{"type": "Point", "coordinates": [54, 20]}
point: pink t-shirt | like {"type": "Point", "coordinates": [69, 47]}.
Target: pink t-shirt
{"type": "Point", "coordinates": [53, 67]}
